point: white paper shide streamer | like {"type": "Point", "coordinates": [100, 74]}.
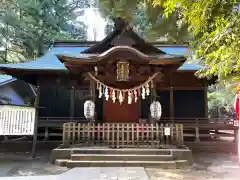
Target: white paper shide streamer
{"type": "Point", "coordinates": [130, 95]}
{"type": "Point", "coordinates": [117, 94]}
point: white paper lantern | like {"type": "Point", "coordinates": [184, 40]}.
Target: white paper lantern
{"type": "Point", "coordinates": [156, 110]}
{"type": "Point", "coordinates": [89, 109]}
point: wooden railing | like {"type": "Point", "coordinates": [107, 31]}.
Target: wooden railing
{"type": "Point", "coordinates": [196, 128]}
{"type": "Point", "coordinates": [52, 126]}
{"type": "Point", "coordinates": [208, 128]}
{"type": "Point", "coordinates": [123, 134]}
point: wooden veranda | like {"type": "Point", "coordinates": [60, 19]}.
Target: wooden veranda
{"type": "Point", "coordinates": [193, 129]}
{"type": "Point", "coordinates": [53, 128]}
{"type": "Point", "coordinates": [67, 131]}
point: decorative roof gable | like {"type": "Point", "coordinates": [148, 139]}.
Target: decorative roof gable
{"type": "Point", "coordinates": [123, 35]}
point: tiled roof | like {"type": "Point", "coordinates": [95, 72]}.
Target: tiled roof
{"type": "Point", "coordinates": [50, 61]}
{"type": "Point", "coordinates": [190, 67]}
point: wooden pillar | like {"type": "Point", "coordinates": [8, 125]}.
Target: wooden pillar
{"type": "Point", "coordinates": [72, 103]}
{"type": "Point", "coordinates": [170, 75]}
{"type": "Point", "coordinates": [36, 105]}
{"type": "Point", "coordinates": [206, 100]}
{"type": "Point", "coordinates": [93, 90]}
{"type": "Point", "coordinates": [93, 96]}
{"type": "Point", "coordinates": [171, 105]}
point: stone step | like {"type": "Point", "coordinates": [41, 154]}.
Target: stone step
{"type": "Point", "coordinates": [61, 162]}
{"type": "Point", "coordinates": [121, 157]}
{"type": "Point", "coordinates": [135, 151]}
{"type": "Point", "coordinates": [157, 164]}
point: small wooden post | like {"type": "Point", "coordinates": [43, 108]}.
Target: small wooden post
{"type": "Point", "coordinates": [46, 134]}
{"type": "Point", "coordinates": [176, 135]}
{"type": "Point", "coordinates": [236, 135]}
{"type": "Point", "coordinates": [197, 138]}
{"type": "Point", "coordinates": [64, 134]}
{"type": "Point", "coordinates": [73, 133]}
{"type": "Point", "coordinates": [181, 137]}
{"type": "Point", "coordinates": [36, 105]}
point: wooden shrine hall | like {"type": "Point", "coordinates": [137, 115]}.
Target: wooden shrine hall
{"type": "Point", "coordinates": [122, 75]}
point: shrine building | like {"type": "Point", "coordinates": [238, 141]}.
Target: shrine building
{"type": "Point", "coordinates": [122, 74]}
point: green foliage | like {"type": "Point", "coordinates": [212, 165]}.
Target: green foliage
{"type": "Point", "coordinates": [30, 25]}
{"type": "Point", "coordinates": [220, 102]}
{"type": "Point", "coordinates": [109, 27]}
{"type": "Point", "coordinates": [215, 27]}
{"type": "Point", "coordinates": [148, 21]}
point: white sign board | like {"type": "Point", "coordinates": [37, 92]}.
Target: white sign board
{"type": "Point", "coordinates": [167, 131]}
{"type": "Point", "coordinates": [16, 120]}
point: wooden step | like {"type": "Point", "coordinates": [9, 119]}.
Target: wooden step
{"type": "Point", "coordinates": [135, 151]}
{"type": "Point", "coordinates": [158, 164]}
{"type": "Point", "coordinates": [121, 157]}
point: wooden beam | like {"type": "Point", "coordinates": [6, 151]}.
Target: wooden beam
{"type": "Point", "coordinates": [179, 88]}
{"type": "Point", "coordinates": [177, 62]}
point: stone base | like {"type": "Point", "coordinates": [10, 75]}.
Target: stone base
{"type": "Point", "coordinates": [130, 157]}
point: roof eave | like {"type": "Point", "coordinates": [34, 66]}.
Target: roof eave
{"type": "Point", "coordinates": [8, 81]}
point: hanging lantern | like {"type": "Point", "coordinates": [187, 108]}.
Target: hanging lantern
{"type": "Point", "coordinates": [89, 109]}
{"type": "Point", "coordinates": [156, 110]}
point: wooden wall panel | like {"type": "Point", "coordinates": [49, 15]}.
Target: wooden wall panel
{"type": "Point", "coordinates": [114, 112]}
{"type": "Point", "coordinates": [180, 80]}
{"type": "Point", "coordinates": [189, 104]}
{"type": "Point", "coordinates": [186, 79]}
{"type": "Point", "coordinates": [164, 99]}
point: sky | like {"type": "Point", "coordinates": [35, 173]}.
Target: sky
{"type": "Point", "coordinates": [96, 24]}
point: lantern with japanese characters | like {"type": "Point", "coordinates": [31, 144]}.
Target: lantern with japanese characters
{"type": "Point", "coordinates": [156, 110]}
{"type": "Point", "coordinates": [89, 109]}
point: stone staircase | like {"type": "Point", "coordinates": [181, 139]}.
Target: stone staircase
{"type": "Point", "coordinates": [132, 157]}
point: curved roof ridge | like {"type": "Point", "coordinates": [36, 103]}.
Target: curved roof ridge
{"type": "Point", "coordinates": [133, 50]}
